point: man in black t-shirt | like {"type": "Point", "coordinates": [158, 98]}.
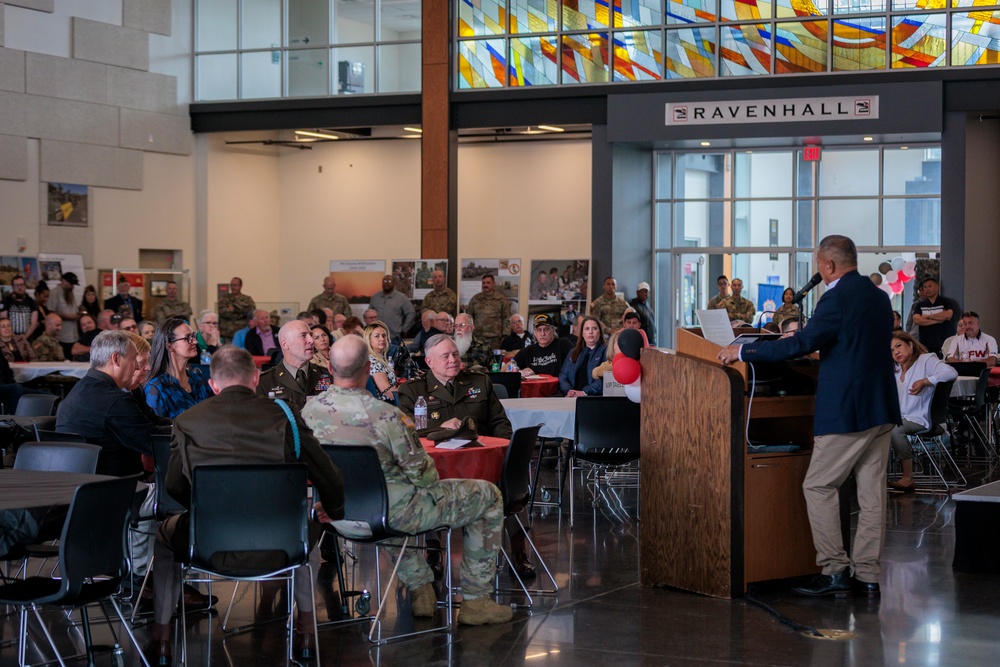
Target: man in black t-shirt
{"type": "Point", "coordinates": [21, 308]}
{"type": "Point", "coordinates": [936, 316]}
{"type": "Point", "coordinates": [547, 354]}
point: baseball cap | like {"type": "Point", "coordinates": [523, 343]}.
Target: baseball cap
{"type": "Point", "coordinates": [116, 318]}
{"type": "Point", "coordinates": [642, 286]}
{"type": "Point", "coordinates": [71, 278]}
{"type": "Point", "coordinates": [543, 320]}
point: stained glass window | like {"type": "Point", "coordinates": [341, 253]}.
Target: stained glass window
{"type": "Point", "coordinates": [533, 61]}
{"type": "Point", "coordinates": [859, 44]}
{"type": "Point", "coordinates": [691, 11]}
{"type": "Point", "coordinates": [585, 14]}
{"type": "Point", "coordinates": [481, 17]}
{"type": "Point", "coordinates": [902, 5]}
{"type": "Point", "coordinates": [481, 63]}
{"type": "Point", "coordinates": [801, 47]}
{"type": "Point", "coordinates": [744, 10]}
{"type": "Point", "coordinates": [791, 8]}
{"type": "Point", "coordinates": [746, 50]}
{"type": "Point", "coordinates": [919, 40]}
{"type": "Point", "coordinates": [585, 58]}
{"type": "Point", "coordinates": [841, 7]}
{"type": "Point", "coordinates": [638, 55]}
{"type": "Point", "coordinates": [637, 13]}
{"type": "Point", "coordinates": [691, 53]}
{"type": "Point", "coordinates": [533, 16]}
{"type": "Point", "coordinates": [975, 38]}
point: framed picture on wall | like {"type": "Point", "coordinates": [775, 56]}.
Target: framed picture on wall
{"type": "Point", "coordinates": [67, 205]}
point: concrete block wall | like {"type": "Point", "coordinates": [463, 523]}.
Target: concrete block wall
{"type": "Point", "coordinates": [96, 112]}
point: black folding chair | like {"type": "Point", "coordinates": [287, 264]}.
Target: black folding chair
{"type": "Point", "coordinates": [515, 486]}
{"type": "Point", "coordinates": [606, 438]}
{"type": "Point", "coordinates": [941, 471]}
{"type": "Point", "coordinates": [58, 457]}
{"type": "Point", "coordinates": [42, 435]}
{"type": "Point", "coordinates": [271, 525]}
{"type": "Point", "coordinates": [968, 410]}
{"type": "Point", "coordinates": [93, 563]}
{"type": "Point", "coordinates": [366, 520]}
{"type": "Point", "coordinates": [511, 381]}
{"type": "Point", "coordinates": [36, 405]}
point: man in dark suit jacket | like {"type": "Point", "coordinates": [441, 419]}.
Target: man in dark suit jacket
{"type": "Point", "coordinates": [254, 342]}
{"type": "Point", "coordinates": [294, 378]}
{"type": "Point", "coordinates": [235, 426]}
{"type": "Point", "coordinates": [856, 408]}
{"type": "Point", "coordinates": [100, 408]}
{"type": "Point", "coordinates": [124, 300]}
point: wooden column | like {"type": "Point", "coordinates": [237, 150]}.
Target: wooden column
{"type": "Point", "coordinates": [438, 186]}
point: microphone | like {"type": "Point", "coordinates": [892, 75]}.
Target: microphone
{"type": "Point", "coordinates": [801, 294]}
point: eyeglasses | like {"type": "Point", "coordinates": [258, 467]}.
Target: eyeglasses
{"type": "Point", "coordinates": [211, 322]}
{"type": "Point", "coordinates": [191, 338]}
{"type": "Point", "coordinates": [131, 328]}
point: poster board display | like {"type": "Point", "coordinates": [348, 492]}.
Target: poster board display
{"type": "Point", "coordinates": [507, 273]}
{"type": "Point", "coordinates": [357, 280]}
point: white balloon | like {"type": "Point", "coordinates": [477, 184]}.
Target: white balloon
{"type": "Point", "coordinates": [887, 288]}
{"type": "Point", "coordinates": [891, 277]}
{"type": "Point", "coordinates": [897, 263]}
{"type": "Point", "coordinates": [910, 269]}
{"type": "Point", "coordinates": [634, 391]}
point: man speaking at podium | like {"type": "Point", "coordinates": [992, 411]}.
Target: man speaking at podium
{"type": "Point", "coordinates": [856, 408]}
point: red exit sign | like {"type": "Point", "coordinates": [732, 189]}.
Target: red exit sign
{"type": "Point", "coordinates": [811, 153]}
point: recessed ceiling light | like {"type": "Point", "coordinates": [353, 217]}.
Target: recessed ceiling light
{"type": "Point", "coordinates": [904, 148]}
{"type": "Point", "coordinates": [409, 136]}
{"type": "Point", "coordinates": [530, 131]}
{"type": "Point", "coordinates": [869, 139]}
{"type": "Point", "coordinates": [418, 130]}
{"type": "Point", "coordinates": [706, 143]}
{"type": "Point", "coordinates": [318, 135]}
{"type": "Point", "coordinates": [551, 128]}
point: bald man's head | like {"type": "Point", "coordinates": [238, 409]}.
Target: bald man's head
{"type": "Point", "coordinates": [296, 343]}
{"type": "Point", "coordinates": [349, 362]}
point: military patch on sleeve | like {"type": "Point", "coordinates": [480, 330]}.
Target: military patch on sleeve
{"type": "Point", "coordinates": [408, 421]}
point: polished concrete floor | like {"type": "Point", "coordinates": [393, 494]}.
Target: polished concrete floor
{"type": "Point", "coordinates": [927, 615]}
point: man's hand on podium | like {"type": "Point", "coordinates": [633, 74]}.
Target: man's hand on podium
{"type": "Point", "coordinates": [729, 354]}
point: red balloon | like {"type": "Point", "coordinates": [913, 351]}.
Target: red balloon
{"type": "Point", "coordinates": [626, 370]}
{"type": "Point", "coordinates": [897, 287]}
{"type": "Point", "coordinates": [904, 278]}
{"type": "Point", "coordinates": [618, 355]}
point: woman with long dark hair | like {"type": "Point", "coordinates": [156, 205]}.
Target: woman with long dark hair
{"type": "Point", "coordinates": [174, 386]}
{"type": "Point", "coordinates": [576, 377]}
{"type": "Point", "coordinates": [788, 310]}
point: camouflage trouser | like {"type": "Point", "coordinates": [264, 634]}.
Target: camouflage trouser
{"type": "Point", "coordinates": [473, 505]}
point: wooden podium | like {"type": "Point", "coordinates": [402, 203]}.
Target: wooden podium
{"type": "Point", "coordinates": [715, 517]}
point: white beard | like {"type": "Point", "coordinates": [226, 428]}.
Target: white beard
{"type": "Point", "coordinates": [463, 343]}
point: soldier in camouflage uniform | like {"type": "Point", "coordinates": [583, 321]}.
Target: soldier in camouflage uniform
{"type": "Point", "coordinates": [441, 299]}
{"type": "Point", "coordinates": [328, 298]}
{"type": "Point", "coordinates": [739, 308]}
{"type": "Point", "coordinates": [171, 307]}
{"type": "Point", "coordinates": [233, 309]}
{"type": "Point", "coordinates": [418, 500]}
{"type": "Point", "coordinates": [492, 311]}
{"type": "Point", "coordinates": [715, 302]}
{"type": "Point", "coordinates": [46, 346]}
{"type": "Point", "coordinates": [609, 308]}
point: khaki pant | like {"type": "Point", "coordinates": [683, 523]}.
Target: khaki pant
{"type": "Point", "coordinates": [834, 457]}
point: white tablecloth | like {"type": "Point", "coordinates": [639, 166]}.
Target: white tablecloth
{"type": "Point", "coordinates": [27, 372]}
{"type": "Point", "coordinates": [557, 414]}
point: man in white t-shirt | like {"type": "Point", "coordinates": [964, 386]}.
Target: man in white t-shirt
{"type": "Point", "coordinates": [974, 345]}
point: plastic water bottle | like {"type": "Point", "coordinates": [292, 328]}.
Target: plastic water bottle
{"type": "Point", "coordinates": [512, 367]}
{"type": "Point", "coordinates": [420, 413]}
{"type": "Point", "coordinates": [206, 358]}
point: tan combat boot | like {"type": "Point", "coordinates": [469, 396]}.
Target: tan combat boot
{"type": "Point", "coordinates": [423, 601]}
{"type": "Point", "coordinates": [483, 610]}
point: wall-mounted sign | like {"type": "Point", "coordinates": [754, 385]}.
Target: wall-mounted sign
{"type": "Point", "coordinates": [792, 110]}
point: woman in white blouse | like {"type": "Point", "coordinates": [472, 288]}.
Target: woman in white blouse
{"type": "Point", "coordinates": [917, 373]}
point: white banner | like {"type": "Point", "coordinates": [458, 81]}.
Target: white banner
{"type": "Point", "coordinates": [793, 110]}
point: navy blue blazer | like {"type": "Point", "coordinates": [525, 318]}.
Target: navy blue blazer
{"type": "Point", "coordinates": [852, 330]}
{"type": "Point", "coordinates": [567, 376]}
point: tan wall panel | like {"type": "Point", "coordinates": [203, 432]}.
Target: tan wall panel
{"type": "Point", "coordinates": [66, 78]}
{"type": "Point", "coordinates": [110, 44]}
{"type": "Point", "coordinates": [156, 132]}
{"type": "Point", "coordinates": [12, 112]}
{"type": "Point", "coordinates": [69, 120]}
{"type": "Point", "coordinates": [133, 89]}
{"type": "Point", "coordinates": [13, 158]}
{"type": "Point", "coordinates": [39, 5]}
{"type": "Point", "coordinates": [66, 162]}
{"type": "Point", "coordinates": [11, 67]}
{"type": "Point", "coordinates": [147, 15]}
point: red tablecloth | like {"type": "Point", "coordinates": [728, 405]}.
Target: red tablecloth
{"type": "Point", "coordinates": [539, 386]}
{"type": "Point", "coordinates": [484, 462]}
{"type": "Point", "coordinates": [261, 360]}
{"type": "Point", "coordinates": [995, 376]}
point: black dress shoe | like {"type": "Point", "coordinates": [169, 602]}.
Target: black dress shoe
{"type": "Point", "coordinates": [869, 588]}
{"type": "Point", "coordinates": [839, 585]}
{"type": "Point", "coordinates": [523, 566]}
{"type": "Point", "coordinates": [157, 652]}
{"type": "Point", "coordinates": [195, 600]}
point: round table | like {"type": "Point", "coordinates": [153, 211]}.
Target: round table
{"type": "Point", "coordinates": [25, 372]}
{"type": "Point", "coordinates": [470, 462]}
{"type": "Point", "coordinates": [556, 414]}
{"type": "Point", "coordinates": [539, 386]}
